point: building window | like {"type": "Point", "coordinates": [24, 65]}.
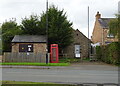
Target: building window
{"type": "Point", "coordinates": [107, 43]}
{"type": "Point", "coordinates": [110, 36]}
{"type": "Point", "coordinates": [25, 47]}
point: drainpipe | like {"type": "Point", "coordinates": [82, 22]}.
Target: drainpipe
{"type": "Point", "coordinates": [102, 36]}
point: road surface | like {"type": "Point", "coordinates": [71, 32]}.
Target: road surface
{"type": "Point", "coordinates": [72, 74]}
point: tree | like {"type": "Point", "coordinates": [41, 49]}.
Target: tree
{"type": "Point", "coordinates": [9, 30]}
{"type": "Point", "coordinates": [114, 27]}
{"type": "Point", "coordinates": [59, 28]}
{"type": "Point", "coordinates": [32, 26]}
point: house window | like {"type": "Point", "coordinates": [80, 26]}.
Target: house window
{"type": "Point", "coordinates": [110, 36]}
{"type": "Point", "coordinates": [25, 47]}
{"type": "Point", "coordinates": [108, 42]}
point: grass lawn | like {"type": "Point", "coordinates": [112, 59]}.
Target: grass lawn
{"type": "Point", "coordinates": [23, 83]}
{"type": "Point", "coordinates": [69, 60]}
{"type": "Point", "coordinates": [37, 64]}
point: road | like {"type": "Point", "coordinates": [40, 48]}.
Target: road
{"type": "Point", "coordinates": [72, 74]}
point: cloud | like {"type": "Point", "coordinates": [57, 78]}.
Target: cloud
{"type": "Point", "coordinates": [76, 10]}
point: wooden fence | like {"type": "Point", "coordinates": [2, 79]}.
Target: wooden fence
{"type": "Point", "coordinates": [24, 57]}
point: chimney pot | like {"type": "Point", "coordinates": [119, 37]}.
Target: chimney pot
{"type": "Point", "coordinates": [98, 15]}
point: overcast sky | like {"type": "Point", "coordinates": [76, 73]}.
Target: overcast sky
{"type": "Point", "coordinates": [77, 10]}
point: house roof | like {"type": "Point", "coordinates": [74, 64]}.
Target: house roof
{"type": "Point", "coordinates": [29, 39]}
{"type": "Point", "coordinates": [82, 34]}
{"type": "Point", "coordinates": [104, 22]}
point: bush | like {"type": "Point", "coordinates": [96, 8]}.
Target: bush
{"type": "Point", "coordinates": [98, 52]}
{"type": "Point", "coordinates": [110, 53]}
{"type": "Point", "coordinates": [69, 60]}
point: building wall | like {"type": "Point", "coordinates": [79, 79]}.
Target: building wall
{"type": "Point", "coordinates": [97, 33]}
{"type": "Point", "coordinates": [100, 34]}
{"type": "Point", "coordinates": [40, 47]}
{"type": "Point", "coordinates": [37, 47]}
{"type": "Point", "coordinates": [79, 39]}
{"type": "Point", "coordinates": [15, 47]}
{"type": "Point", "coordinates": [106, 38]}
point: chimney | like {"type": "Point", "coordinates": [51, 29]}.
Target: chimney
{"type": "Point", "coordinates": [98, 15]}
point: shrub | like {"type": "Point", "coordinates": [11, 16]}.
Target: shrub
{"type": "Point", "coordinates": [110, 53]}
{"type": "Point", "coordinates": [98, 52]}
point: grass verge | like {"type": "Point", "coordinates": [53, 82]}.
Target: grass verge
{"type": "Point", "coordinates": [69, 60]}
{"type": "Point", "coordinates": [23, 83]}
{"type": "Point", "coordinates": [37, 64]}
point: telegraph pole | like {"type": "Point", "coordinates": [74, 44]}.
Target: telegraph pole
{"type": "Point", "coordinates": [119, 7]}
{"type": "Point", "coordinates": [47, 31]}
{"type": "Point", "coordinates": [88, 35]}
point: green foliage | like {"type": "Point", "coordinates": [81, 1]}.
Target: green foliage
{"type": "Point", "coordinates": [59, 28]}
{"type": "Point", "coordinates": [110, 53]}
{"type": "Point", "coordinates": [98, 52]}
{"type": "Point", "coordinates": [9, 30]}
{"type": "Point", "coordinates": [32, 26]}
{"type": "Point", "coordinates": [114, 50]}
{"type": "Point", "coordinates": [0, 40]}
{"type": "Point", "coordinates": [37, 64]}
{"type": "Point", "coordinates": [114, 27]}
{"type": "Point", "coordinates": [24, 83]}
{"type": "Point", "coordinates": [69, 60]}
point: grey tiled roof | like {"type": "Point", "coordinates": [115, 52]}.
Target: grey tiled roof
{"type": "Point", "coordinates": [104, 22]}
{"type": "Point", "coordinates": [29, 38]}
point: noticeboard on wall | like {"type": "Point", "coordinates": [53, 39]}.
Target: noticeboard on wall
{"type": "Point", "coordinates": [25, 47]}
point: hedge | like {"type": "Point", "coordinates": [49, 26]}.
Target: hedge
{"type": "Point", "coordinates": [109, 53]}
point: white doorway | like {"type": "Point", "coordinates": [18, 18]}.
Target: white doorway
{"type": "Point", "coordinates": [77, 51]}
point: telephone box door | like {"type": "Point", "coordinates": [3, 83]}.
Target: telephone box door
{"type": "Point", "coordinates": [54, 53]}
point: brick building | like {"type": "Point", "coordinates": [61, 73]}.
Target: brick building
{"type": "Point", "coordinates": [29, 43]}
{"type": "Point", "coordinates": [79, 47]}
{"type": "Point", "coordinates": [101, 33]}
{"type": "Point", "coordinates": [27, 48]}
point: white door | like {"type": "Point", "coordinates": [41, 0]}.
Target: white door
{"type": "Point", "coordinates": [77, 51]}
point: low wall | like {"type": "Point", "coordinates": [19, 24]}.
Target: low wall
{"type": "Point", "coordinates": [24, 57]}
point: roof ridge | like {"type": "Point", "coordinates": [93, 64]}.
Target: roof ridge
{"type": "Point", "coordinates": [104, 22]}
{"type": "Point", "coordinates": [29, 38]}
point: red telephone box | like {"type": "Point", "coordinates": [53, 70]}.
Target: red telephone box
{"type": "Point", "coordinates": [54, 53]}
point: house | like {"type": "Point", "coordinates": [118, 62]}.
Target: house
{"type": "Point", "coordinates": [101, 33]}
{"type": "Point", "coordinates": [27, 48]}
{"type": "Point", "coordinates": [79, 48]}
